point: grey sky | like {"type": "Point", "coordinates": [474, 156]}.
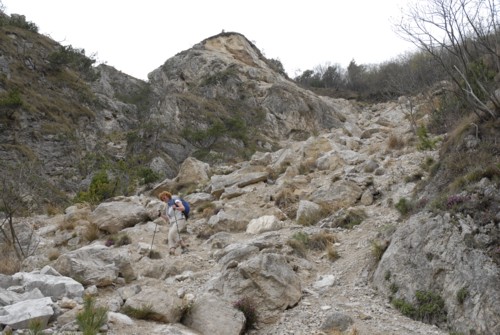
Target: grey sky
{"type": "Point", "coordinates": [137, 37]}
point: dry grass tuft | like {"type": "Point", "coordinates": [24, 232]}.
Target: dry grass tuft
{"type": "Point", "coordinates": [353, 331]}
{"type": "Point", "coordinates": [378, 248]}
{"type": "Point", "coordinates": [91, 232]}
{"type": "Point", "coordinates": [301, 242]}
{"type": "Point", "coordinates": [53, 254]}
{"type": "Point", "coordinates": [331, 252]}
{"type": "Point", "coordinates": [67, 225]}
{"type": "Point", "coordinates": [298, 247]}
{"type": "Point", "coordinates": [321, 241]}
{"type": "Point", "coordinates": [395, 143]}
{"type": "Point", "coordinates": [53, 209]}
{"type": "Point", "coordinates": [287, 200]}
{"type": "Point", "coordinates": [10, 264]}
{"type": "Point", "coordinates": [145, 312]}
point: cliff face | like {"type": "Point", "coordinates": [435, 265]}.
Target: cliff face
{"type": "Point", "coordinates": [220, 100]}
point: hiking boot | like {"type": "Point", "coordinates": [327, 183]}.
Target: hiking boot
{"type": "Point", "coordinates": [184, 251]}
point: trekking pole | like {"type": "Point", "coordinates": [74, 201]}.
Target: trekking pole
{"type": "Point", "coordinates": [152, 241]}
{"type": "Point", "coordinates": [183, 248]}
{"type": "Point", "coordinates": [177, 225]}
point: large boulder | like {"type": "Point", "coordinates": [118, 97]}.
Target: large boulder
{"type": "Point", "coordinates": [96, 265]}
{"type": "Point", "coordinates": [193, 171]}
{"type": "Point", "coordinates": [165, 303]}
{"type": "Point", "coordinates": [114, 216]}
{"type": "Point", "coordinates": [429, 254]}
{"type": "Point", "coordinates": [56, 287]}
{"type": "Point", "coordinates": [20, 315]}
{"type": "Point", "coordinates": [212, 314]}
{"type": "Point", "coordinates": [267, 279]}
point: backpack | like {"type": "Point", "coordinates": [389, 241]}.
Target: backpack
{"type": "Point", "coordinates": [187, 208]}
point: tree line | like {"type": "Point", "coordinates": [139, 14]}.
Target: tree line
{"type": "Point", "coordinates": [458, 42]}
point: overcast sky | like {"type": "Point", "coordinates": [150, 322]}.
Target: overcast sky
{"type": "Point", "coordinates": [136, 37]}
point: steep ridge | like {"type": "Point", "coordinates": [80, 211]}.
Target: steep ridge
{"type": "Point", "coordinates": [329, 289]}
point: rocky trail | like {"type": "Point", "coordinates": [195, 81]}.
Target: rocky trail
{"type": "Point", "coordinates": [335, 294]}
{"type": "Point", "coordinates": [340, 288]}
{"type": "Point", "coordinates": [337, 290]}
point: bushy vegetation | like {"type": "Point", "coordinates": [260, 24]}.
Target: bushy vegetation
{"type": "Point", "coordinates": [91, 318]}
{"type": "Point", "coordinates": [113, 177]}
{"type": "Point", "coordinates": [429, 307]}
{"type": "Point", "coordinates": [462, 294]}
{"type": "Point", "coordinates": [36, 327]}
{"type": "Point", "coordinates": [403, 206]}
{"type": "Point", "coordinates": [101, 188]}
{"type": "Point", "coordinates": [425, 142]}
{"type": "Point", "coordinates": [404, 75]}
{"type": "Point", "coordinates": [72, 57]}
{"type": "Point", "coordinates": [378, 248]}
{"type": "Point", "coordinates": [20, 22]}
{"type": "Point", "coordinates": [11, 100]}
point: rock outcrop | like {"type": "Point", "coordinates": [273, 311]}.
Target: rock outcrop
{"type": "Point", "coordinates": [344, 268]}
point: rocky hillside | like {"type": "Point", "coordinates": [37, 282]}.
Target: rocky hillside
{"type": "Point", "coordinates": [307, 237]}
{"type": "Point", "coordinates": [310, 215]}
{"type": "Point", "coordinates": [218, 101]}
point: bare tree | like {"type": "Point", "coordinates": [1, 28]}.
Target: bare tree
{"type": "Point", "coordinates": [17, 185]}
{"type": "Point", "coordinates": [464, 37]}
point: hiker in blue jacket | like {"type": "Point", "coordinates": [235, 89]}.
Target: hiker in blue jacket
{"type": "Point", "coordinates": [175, 217]}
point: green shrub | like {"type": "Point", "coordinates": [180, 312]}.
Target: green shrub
{"type": "Point", "coordinates": [425, 142]}
{"type": "Point", "coordinates": [378, 249]}
{"type": "Point", "coordinates": [20, 22]}
{"type": "Point", "coordinates": [301, 237]}
{"type": "Point", "coordinates": [101, 188]}
{"type": "Point", "coordinates": [404, 206]}
{"type": "Point", "coordinates": [299, 242]}
{"type": "Point", "coordinates": [71, 57]}
{"type": "Point", "coordinates": [404, 307]}
{"type": "Point", "coordinates": [148, 176]}
{"type": "Point", "coordinates": [492, 172]}
{"type": "Point", "coordinates": [11, 100]}
{"type": "Point", "coordinates": [35, 327]}
{"type": "Point", "coordinates": [92, 318]}
{"type": "Point", "coordinates": [462, 294]}
{"type": "Point", "coordinates": [427, 163]}
{"type": "Point", "coordinates": [429, 307]}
